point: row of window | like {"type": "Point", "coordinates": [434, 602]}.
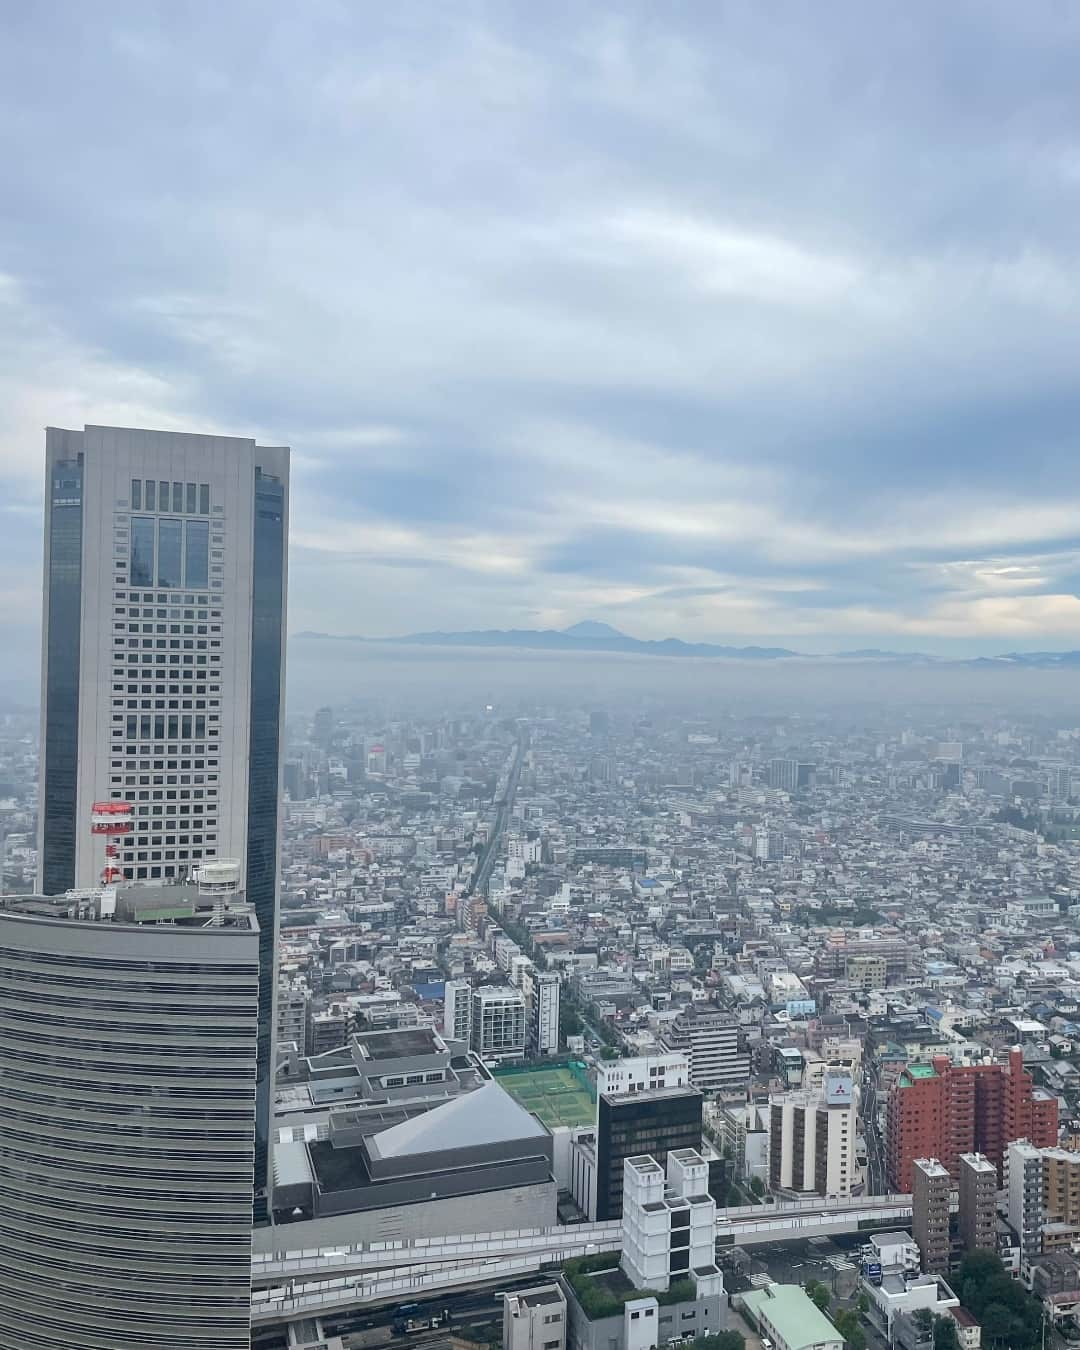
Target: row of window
{"type": "Point", "coordinates": [182, 552]}
{"type": "Point", "coordinates": [150, 494]}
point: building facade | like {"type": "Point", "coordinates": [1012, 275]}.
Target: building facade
{"type": "Point", "coordinates": [978, 1203]}
{"type": "Point", "coordinates": [127, 1123]}
{"type": "Point", "coordinates": [542, 995]}
{"type": "Point", "coordinates": [812, 1139]}
{"type": "Point", "coordinates": [634, 1123]}
{"type": "Point", "coordinates": [457, 1010]}
{"type": "Point", "coordinates": [1024, 1193]}
{"type": "Point", "coordinates": [642, 1073]}
{"type": "Point", "coordinates": [930, 1196]}
{"type": "Point", "coordinates": [535, 1319]}
{"type": "Point", "coordinates": [713, 1043]}
{"type": "Point", "coordinates": [941, 1110]}
{"type": "Point", "coordinates": [163, 665]}
{"type": "Point", "coordinates": [498, 1022]}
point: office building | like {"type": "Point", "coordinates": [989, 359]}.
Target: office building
{"type": "Point", "coordinates": [642, 1073]}
{"type": "Point", "coordinates": [128, 1034]}
{"type": "Point", "coordinates": [784, 774]}
{"type": "Point", "coordinates": [535, 1319]}
{"type": "Point", "coordinates": [632, 1123]}
{"type": "Point", "coordinates": [542, 1002]}
{"type": "Point", "coordinates": [978, 1203]}
{"type": "Point", "coordinates": [498, 1022]}
{"type": "Point", "coordinates": [1061, 1187]}
{"type": "Point", "coordinates": [163, 666]}
{"type": "Point", "coordinates": [942, 1109]}
{"type": "Point", "coordinates": [713, 1044]}
{"type": "Point", "coordinates": [812, 1139]}
{"type": "Point", "coordinates": [930, 1197]}
{"type": "Point", "coordinates": [457, 1011]}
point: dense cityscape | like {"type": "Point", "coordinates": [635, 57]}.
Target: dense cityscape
{"type": "Point", "coordinates": [562, 1024]}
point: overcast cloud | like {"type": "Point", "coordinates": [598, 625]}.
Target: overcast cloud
{"type": "Point", "coordinates": [721, 321]}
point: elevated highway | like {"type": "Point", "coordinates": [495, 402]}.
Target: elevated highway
{"type": "Point", "coordinates": [309, 1282]}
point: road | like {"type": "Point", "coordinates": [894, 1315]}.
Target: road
{"type": "Point", "coordinates": [482, 875]}
{"type": "Point", "coordinates": [362, 1329]}
{"type": "Point", "coordinates": [875, 1144]}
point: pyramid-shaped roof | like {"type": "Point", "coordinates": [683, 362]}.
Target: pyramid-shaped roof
{"type": "Point", "coordinates": [487, 1116]}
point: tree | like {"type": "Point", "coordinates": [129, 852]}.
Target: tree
{"type": "Point", "coordinates": [848, 1325]}
{"type": "Point", "coordinates": [757, 1187]}
{"type": "Point", "coordinates": [721, 1340]}
{"type": "Point", "coordinates": [945, 1335]}
{"type": "Point", "coordinates": [818, 1293]}
{"type": "Point", "coordinates": [734, 1196]}
{"type": "Point", "coordinates": [863, 1304]}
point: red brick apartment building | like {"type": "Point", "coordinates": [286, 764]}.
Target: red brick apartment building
{"type": "Point", "coordinates": [940, 1110]}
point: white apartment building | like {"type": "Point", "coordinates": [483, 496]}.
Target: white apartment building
{"type": "Point", "coordinates": [812, 1139]}
{"type": "Point", "coordinates": [498, 1022]}
{"type": "Point", "coordinates": [542, 991]}
{"type": "Point", "coordinates": [457, 1011]}
{"type": "Point", "coordinates": [535, 1319]}
{"type": "Point", "coordinates": [1024, 1192]}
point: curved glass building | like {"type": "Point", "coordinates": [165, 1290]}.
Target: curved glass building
{"type": "Point", "coordinates": [128, 1033]}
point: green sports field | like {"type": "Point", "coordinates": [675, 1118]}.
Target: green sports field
{"type": "Point", "coordinates": [554, 1095]}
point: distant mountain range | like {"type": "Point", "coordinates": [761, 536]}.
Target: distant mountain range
{"type": "Point", "coordinates": [593, 636]}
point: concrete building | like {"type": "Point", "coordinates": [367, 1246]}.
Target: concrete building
{"type": "Point", "coordinates": [542, 1003]}
{"type": "Point", "coordinates": [633, 1123]}
{"type": "Point", "coordinates": [1024, 1192]}
{"type": "Point", "coordinates": [712, 1042]}
{"type": "Point", "coordinates": [163, 666]}
{"type": "Point", "coordinates": [1061, 1186]}
{"type": "Point", "coordinates": [812, 1139]}
{"type": "Point", "coordinates": [669, 1221]}
{"type": "Point", "coordinates": [471, 1163]}
{"type": "Point", "coordinates": [535, 1319]}
{"type": "Point", "coordinates": [666, 1286]}
{"type": "Point", "coordinates": [785, 1315]}
{"type": "Point", "coordinates": [978, 1203]}
{"type": "Point", "coordinates": [930, 1197]}
{"type": "Point", "coordinates": [943, 1109]}
{"type": "Point", "coordinates": [457, 1011]}
{"type": "Point", "coordinates": [128, 1035]}
{"type": "Point", "coordinates": [642, 1073]}
{"type": "Point", "coordinates": [498, 1022]}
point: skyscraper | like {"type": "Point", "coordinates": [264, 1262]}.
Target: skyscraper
{"type": "Point", "coordinates": [163, 666]}
{"type": "Point", "coordinates": [128, 1032]}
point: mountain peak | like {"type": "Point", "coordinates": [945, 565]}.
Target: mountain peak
{"type": "Point", "coordinates": [592, 628]}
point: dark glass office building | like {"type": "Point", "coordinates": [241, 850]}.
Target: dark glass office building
{"type": "Point", "coordinates": [632, 1123]}
{"type": "Point", "coordinates": [163, 683]}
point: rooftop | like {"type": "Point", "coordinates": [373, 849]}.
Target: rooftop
{"type": "Point", "coordinates": [793, 1313]}
{"type": "Point", "coordinates": [379, 1045]}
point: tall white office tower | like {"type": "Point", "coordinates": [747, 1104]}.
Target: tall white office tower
{"type": "Point", "coordinates": [163, 666]}
{"type": "Point", "coordinates": [128, 1033]}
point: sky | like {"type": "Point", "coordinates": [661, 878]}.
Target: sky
{"type": "Point", "coordinates": [731, 322]}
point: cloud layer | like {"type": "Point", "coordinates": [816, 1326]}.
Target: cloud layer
{"type": "Point", "coordinates": [707, 320]}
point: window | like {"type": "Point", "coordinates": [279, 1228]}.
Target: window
{"type": "Point", "coordinates": [190, 504]}
{"type": "Point", "coordinates": [150, 486]}
{"type": "Point", "coordinates": [178, 496]}
{"type": "Point", "coordinates": [136, 494]}
{"type": "Point", "coordinates": [142, 550]}
{"type": "Point", "coordinates": [197, 539]}
{"type": "Point", "coordinates": [169, 552]}
{"type": "Point", "coordinates": [163, 497]}
{"type": "Point", "coordinates": [204, 499]}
